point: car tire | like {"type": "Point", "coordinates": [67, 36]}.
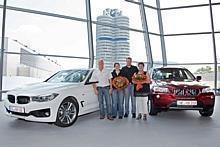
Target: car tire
{"type": "Point", "coordinates": [206, 112]}
{"type": "Point", "coordinates": [67, 112]}
{"type": "Point", "coordinates": [151, 109]}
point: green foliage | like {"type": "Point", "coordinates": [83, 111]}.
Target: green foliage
{"type": "Point", "coordinates": [204, 70]}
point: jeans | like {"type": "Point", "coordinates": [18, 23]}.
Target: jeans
{"type": "Point", "coordinates": [103, 95]}
{"type": "Point", "coordinates": [129, 93]}
{"type": "Point", "coordinates": [117, 102]}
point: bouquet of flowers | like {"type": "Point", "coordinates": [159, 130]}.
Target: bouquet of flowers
{"type": "Point", "coordinates": [139, 79]}
{"type": "Point", "coordinates": [120, 82]}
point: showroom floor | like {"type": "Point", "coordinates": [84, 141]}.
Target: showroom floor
{"type": "Point", "coordinates": [172, 129]}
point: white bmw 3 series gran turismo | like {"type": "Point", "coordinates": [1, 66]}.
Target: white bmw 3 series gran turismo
{"type": "Point", "coordinates": [60, 99]}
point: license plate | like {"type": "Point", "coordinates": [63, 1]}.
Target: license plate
{"type": "Point", "coordinates": [16, 109]}
{"type": "Point", "coordinates": [187, 103]}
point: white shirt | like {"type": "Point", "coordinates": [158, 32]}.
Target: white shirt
{"type": "Point", "coordinates": [102, 77]}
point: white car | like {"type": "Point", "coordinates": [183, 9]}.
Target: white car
{"type": "Point", "coordinates": [60, 99]}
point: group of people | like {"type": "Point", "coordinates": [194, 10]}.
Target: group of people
{"type": "Point", "coordinates": [117, 100]}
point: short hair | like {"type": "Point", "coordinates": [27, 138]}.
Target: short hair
{"type": "Point", "coordinates": [129, 58]}
{"type": "Point", "coordinates": [140, 63]}
{"type": "Point", "coordinates": [116, 64]}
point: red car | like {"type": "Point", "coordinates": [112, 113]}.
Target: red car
{"type": "Point", "coordinates": [178, 89]}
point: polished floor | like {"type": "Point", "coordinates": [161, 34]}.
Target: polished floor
{"type": "Point", "coordinates": [168, 129]}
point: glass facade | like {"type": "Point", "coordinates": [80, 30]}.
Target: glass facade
{"type": "Point", "coordinates": [56, 34]}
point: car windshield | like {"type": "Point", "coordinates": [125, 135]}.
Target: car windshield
{"type": "Point", "coordinates": [70, 76]}
{"type": "Point", "coordinates": [172, 74]}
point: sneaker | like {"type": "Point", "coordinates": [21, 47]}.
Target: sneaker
{"type": "Point", "coordinates": [113, 116]}
{"type": "Point", "coordinates": [145, 117]}
{"type": "Point", "coordinates": [120, 117]}
{"type": "Point", "coordinates": [139, 117]}
{"type": "Point", "coordinates": [126, 115]}
{"type": "Point", "coordinates": [133, 115]}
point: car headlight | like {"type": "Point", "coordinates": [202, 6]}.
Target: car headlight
{"type": "Point", "coordinates": [44, 98]}
{"type": "Point", "coordinates": [161, 89]}
{"type": "Point", "coordinates": [207, 90]}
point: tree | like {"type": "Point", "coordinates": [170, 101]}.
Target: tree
{"type": "Point", "coordinates": [204, 70]}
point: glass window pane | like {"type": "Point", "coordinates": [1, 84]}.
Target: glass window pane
{"type": "Point", "coordinates": [47, 35]}
{"type": "Point", "coordinates": [152, 20]}
{"type": "Point", "coordinates": [150, 2]}
{"type": "Point", "coordinates": [186, 20]}
{"type": "Point", "coordinates": [216, 15]}
{"type": "Point", "coordinates": [127, 9]}
{"type": "Point", "coordinates": [171, 3]}
{"type": "Point", "coordinates": [137, 47]}
{"type": "Point", "coordinates": [215, 1]}
{"type": "Point", "coordinates": [156, 49]}
{"type": "Point", "coordinates": [75, 8]}
{"type": "Point", "coordinates": [1, 24]}
{"type": "Point", "coordinates": [218, 84]}
{"type": "Point", "coordinates": [17, 72]}
{"type": "Point", "coordinates": [189, 49]}
{"type": "Point", "coordinates": [217, 41]}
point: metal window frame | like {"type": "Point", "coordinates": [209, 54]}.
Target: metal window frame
{"type": "Point", "coordinates": [2, 47]}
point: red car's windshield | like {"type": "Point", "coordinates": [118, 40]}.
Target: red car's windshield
{"type": "Point", "coordinates": [174, 74]}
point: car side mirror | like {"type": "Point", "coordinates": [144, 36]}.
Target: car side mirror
{"type": "Point", "coordinates": [198, 78]}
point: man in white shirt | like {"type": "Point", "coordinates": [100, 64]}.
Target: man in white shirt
{"type": "Point", "coordinates": [103, 89]}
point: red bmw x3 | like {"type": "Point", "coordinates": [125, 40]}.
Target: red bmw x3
{"type": "Point", "coordinates": [178, 89]}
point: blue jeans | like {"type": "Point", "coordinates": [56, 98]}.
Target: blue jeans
{"type": "Point", "coordinates": [103, 94]}
{"type": "Point", "coordinates": [117, 102]}
{"type": "Point", "coordinates": [129, 93]}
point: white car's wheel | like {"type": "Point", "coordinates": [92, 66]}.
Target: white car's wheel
{"type": "Point", "coordinates": [67, 113]}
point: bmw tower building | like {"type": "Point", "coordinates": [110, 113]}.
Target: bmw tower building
{"type": "Point", "coordinates": [112, 43]}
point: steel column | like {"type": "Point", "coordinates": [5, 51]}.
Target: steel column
{"type": "Point", "coordinates": [146, 35]}
{"type": "Point", "coordinates": [2, 47]}
{"type": "Point", "coordinates": [162, 41]}
{"type": "Point", "coordinates": [214, 46]}
{"type": "Point", "coordinates": [90, 36]}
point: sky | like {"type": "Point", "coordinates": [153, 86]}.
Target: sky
{"type": "Point", "coordinates": [50, 35]}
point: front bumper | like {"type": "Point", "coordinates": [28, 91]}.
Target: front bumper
{"type": "Point", "coordinates": [169, 101]}
{"type": "Point", "coordinates": [33, 111]}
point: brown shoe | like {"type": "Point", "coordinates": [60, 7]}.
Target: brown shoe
{"type": "Point", "coordinates": [110, 118]}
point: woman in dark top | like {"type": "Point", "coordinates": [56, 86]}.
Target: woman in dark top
{"type": "Point", "coordinates": [117, 94]}
{"type": "Point", "coordinates": [141, 80]}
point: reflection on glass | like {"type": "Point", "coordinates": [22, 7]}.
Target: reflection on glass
{"type": "Point", "coordinates": [68, 76]}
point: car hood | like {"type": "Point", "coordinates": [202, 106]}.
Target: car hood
{"type": "Point", "coordinates": [189, 84]}
{"type": "Point", "coordinates": [41, 88]}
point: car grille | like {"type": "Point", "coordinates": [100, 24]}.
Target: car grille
{"type": "Point", "coordinates": [186, 92]}
{"type": "Point", "coordinates": [23, 99]}
{"type": "Point", "coordinates": [11, 98]}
